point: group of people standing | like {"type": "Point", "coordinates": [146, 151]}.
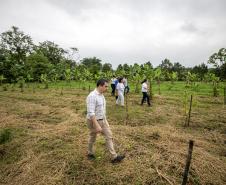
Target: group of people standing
{"type": "Point", "coordinates": [120, 86]}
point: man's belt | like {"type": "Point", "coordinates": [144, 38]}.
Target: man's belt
{"type": "Point", "coordinates": [100, 119]}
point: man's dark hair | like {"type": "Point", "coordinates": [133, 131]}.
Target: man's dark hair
{"type": "Point", "coordinates": [120, 79]}
{"type": "Point", "coordinates": [145, 80]}
{"type": "Point", "coordinates": [101, 82]}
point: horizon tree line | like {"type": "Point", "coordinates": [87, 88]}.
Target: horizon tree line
{"type": "Point", "coordinates": [21, 58]}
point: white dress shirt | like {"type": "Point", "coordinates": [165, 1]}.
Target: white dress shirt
{"type": "Point", "coordinates": [144, 87]}
{"type": "Point", "coordinates": [96, 105]}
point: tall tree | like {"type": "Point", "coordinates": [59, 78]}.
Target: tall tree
{"type": "Point", "coordinates": [149, 64]}
{"type": "Point", "coordinates": [158, 77]}
{"type": "Point", "coordinates": [17, 44]}
{"type": "Point", "coordinates": [219, 61]}
{"type": "Point", "coordinates": [52, 51]}
{"type": "Point", "coordinates": [93, 64]}
{"type": "Point", "coordinates": [119, 68]}
{"type": "Point", "coordinates": [180, 69]}
{"type": "Point", "coordinates": [36, 65]}
{"type": "Point", "coordinates": [126, 67]}
{"type": "Point", "coordinates": [166, 67]}
{"type": "Point", "coordinates": [106, 67]}
{"type": "Point", "coordinates": [14, 47]}
{"type": "Point", "coordinates": [200, 70]}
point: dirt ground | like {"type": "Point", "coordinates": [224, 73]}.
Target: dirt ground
{"type": "Point", "coordinates": [48, 143]}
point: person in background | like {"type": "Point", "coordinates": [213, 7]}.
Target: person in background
{"type": "Point", "coordinates": [97, 121]}
{"type": "Point", "coordinates": [120, 92]}
{"type": "Point", "coordinates": [125, 82]}
{"type": "Point", "coordinates": [116, 83]}
{"type": "Point", "coordinates": [144, 90]}
{"type": "Point", "coordinates": [113, 85]}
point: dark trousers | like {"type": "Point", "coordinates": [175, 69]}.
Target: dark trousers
{"type": "Point", "coordinates": [145, 96]}
{"type": "Point", "coordinates": [126, 90]}
{"type": "Point", "coordinates": [113, 89]}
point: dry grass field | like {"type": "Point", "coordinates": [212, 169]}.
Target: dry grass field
{"type": "Point", "coordinates": [48, 139]}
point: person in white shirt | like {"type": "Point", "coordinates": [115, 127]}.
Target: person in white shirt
{"type": "Point", "coordinates": [144, 90]}
{"type": "Point", "coordinates": [120, 91]}
{"type": "Point", "coordinates": [97, 121]}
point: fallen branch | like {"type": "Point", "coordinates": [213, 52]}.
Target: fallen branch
{"type": "Point", "coordinates": [164, 177]}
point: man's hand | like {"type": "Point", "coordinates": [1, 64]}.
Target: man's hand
{"type": "Point", "coordinates": [96, 125]}
{"type": "Point", "coordinates": [99, 129]}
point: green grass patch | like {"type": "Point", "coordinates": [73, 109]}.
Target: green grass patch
{"type": "Point", "coordinates": [5, 135]}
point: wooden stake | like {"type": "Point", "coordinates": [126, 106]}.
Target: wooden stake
{"type": "Point", "coordinates": [61, 93]}
{"type": "Point", "coordinates": [188, 162]}
{"type": "Point", "coordinates": [187, 122]}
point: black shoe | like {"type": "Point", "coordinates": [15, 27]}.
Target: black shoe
{"type": "Point", "coordinates": [91, 157]}
{"type": "Point", "coordinates": [118, 159]}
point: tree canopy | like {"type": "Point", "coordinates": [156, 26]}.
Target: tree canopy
{"type": "Point", "coordinates": [20, 58]}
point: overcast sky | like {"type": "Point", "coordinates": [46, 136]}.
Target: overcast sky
{"type": "Point", "coordinates": [124, 31]}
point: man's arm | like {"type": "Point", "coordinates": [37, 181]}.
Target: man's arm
{"type": "Point", "coordinates": [91, 112]}
{"type": "Point", "coordinates": [96, 125]}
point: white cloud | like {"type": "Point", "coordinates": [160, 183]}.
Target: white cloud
{"type": "Point", "coordinates": [124, 31]}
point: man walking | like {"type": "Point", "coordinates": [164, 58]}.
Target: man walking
{"type": "Point", "coordinates": [144, 90]}
{"type": "Point", "coordinates": [97, 122]}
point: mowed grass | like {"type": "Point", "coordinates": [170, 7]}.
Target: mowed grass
{"type": "Point", "coordinates": [48, 137]}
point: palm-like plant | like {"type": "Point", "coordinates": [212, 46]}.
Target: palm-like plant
{"type": "Point", "coordinates": [77, 75]}
{"type": "Point", "coordinates": [67, 75]}
{"type": "Point", "coordinates": [149, 74]}
{"type": "Point", "coordinates": [86, 77]}
{"type": "Point", "coordinates": [211, 77]}
{"type": "Point", "coordinates": [2, 78]}
{"type": "Point", "coordinates": [28, 79]}
{"type": "Point", "coordinates": [44, 80]}
{"type": "Point", "coordinates": [21, 82]}
{"type": "Point", "coordinates": [215, 82]}
{"type": "Point", "coordinates": [55, 78]}
{"type": "Point", "coordinates": [173, 77]}
{"type": "Point", "coordinates": [137, 79]}
{"type": "Point", "coordinates": [97, 76]}
{"type": "Point", "coordinates": [158, 76]}
{"type": "Point", "coordinates": [190, 77]}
